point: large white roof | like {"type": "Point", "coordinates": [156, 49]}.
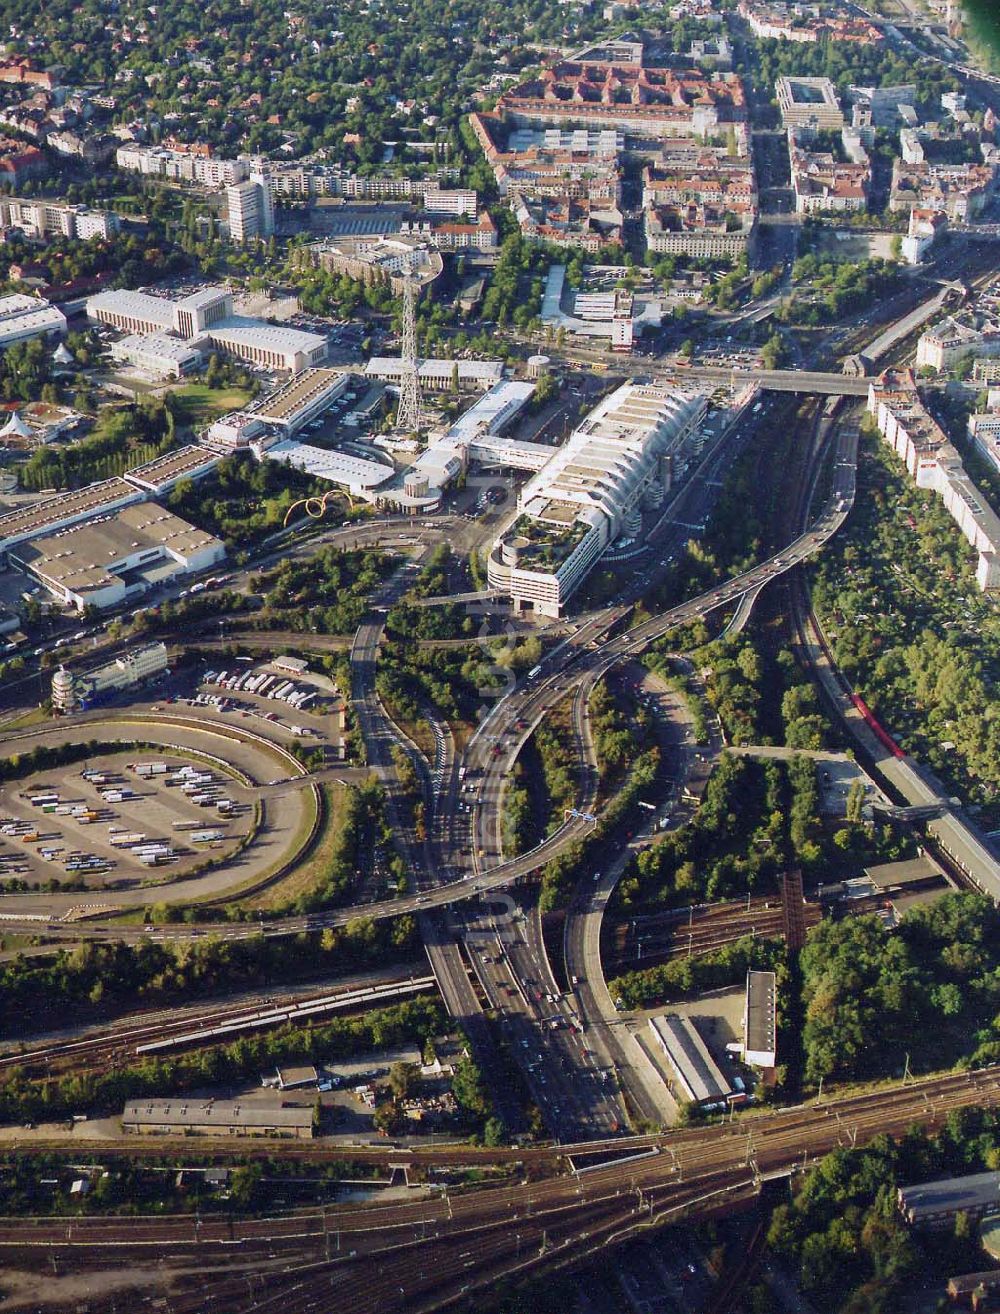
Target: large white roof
{"type": "Point", "coordinates": [612, 451]}
{"type": "Point", "coordinates": [137, 305]}
{"type": "Point", "coordinates": [338, 467]}
{"type": "Point", "coordinates": [21, 315]}
{"type": "Point", "coordinates": [254, 332]}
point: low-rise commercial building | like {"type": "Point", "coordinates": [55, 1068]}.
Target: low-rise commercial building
{"type": "Point", "coordinates": [439, 375]}
{"type": "Point", "coordinates": [77, 691]}
{"type": "Point", "coordinates": [616, 315]}
{"type": "Point", "coordinates": [157, 355]}
{"type": "Point", "coordinates": [304, 398]}
{"type": "Point", "coordinates": [163, 473]}
{"type": "Point", "coordinates": [698, 1078]}
{"type": "Point", "coordinates": [105, 562]}
{"type": "Point", "coordinates": [192, 1117]}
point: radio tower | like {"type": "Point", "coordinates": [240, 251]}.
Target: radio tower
{"type": "Point", "coordinates": [408, 415]}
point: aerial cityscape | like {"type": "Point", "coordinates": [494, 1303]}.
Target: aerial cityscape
{"type": "Point", "coordinates": [500, 657]}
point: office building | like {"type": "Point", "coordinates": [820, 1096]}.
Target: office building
{"type": "Point", "coordinates": [809, 103]}
{"type": "Point", "coordinates": [620, 461]}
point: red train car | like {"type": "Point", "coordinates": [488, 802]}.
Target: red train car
{"type": "Point", "coordinates": [880, 733]}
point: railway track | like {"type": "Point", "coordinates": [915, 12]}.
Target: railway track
{"type": "Point", "coordinates": [420, 1255]}
{"type": "Point", "coordinates": [687, 932]}
{"type": "Point", "coordinates": [214, 1026]}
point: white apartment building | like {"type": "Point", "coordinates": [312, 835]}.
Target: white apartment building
{"type": "Point", "coordinates": [40, 218]}
{"type": "Point", "coordinates": [944, 345]}
{"type": "Point", "coordinates": [250, 209]}
{"type": "Point", "coordinates": [457, 201]}
{"type": "Point", "coordinates": [934, 464]}
{"type": "Point", "coordinates": [181, 166]}
{"type": "Point", "coordinates": [985, 433]}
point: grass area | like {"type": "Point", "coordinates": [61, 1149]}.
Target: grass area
{"type": "Point", "coordinates": [37, 716]}
{"type": "Point", "coordinates": [304, 876]}
{"type": "Point", "coordinates": [199, 404]}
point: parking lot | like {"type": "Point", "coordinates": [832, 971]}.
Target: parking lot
{"type": "Point", "coordinates": [107, 825]}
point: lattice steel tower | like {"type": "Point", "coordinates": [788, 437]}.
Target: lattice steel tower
{"type": "Point", "coordinates": [408, 415]}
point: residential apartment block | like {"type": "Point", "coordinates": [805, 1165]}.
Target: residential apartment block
{"type": "Point", "coordinates": [933, 463]}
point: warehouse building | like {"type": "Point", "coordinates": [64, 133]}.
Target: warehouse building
{"type": "Point", "coordinates": [191, 1117]}
{"type": "Point", "coordinates": [935, 1204]}
{"type": "Point", "coordinates": [593, 490]}
{"type": "Point", "coordinates": [66, 508]}
{"type": "Point", "coordinates": [106, 561]}
{"type": "Point", "coordinates": [698, 1077]}
{"type": "Point", "coordinates": [760, 1020]}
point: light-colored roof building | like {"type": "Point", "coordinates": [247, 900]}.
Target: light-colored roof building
{"type": "Point", "coordinates": [697, 1074]}
{"type": "Point", "coordinates": [161, 474]}
{"type": "Point", "coordinates": [351, 472]}
{"type": "Point", "coordinates": [105, 561]}
{"type": "Point", "coordinates": [215, 1118]}
{"type": "Point", "coordinates": [23, 317]}
{"type": "Point", "coordinates": [619, 461]}
{"type": "Point", "coordinates": [439, 375]}
{"type": "Point", "coordinates": [303, 398]}
{"type": "Point", "coordinates": [157, 354]}
{"type": "Point", "coordinates": [66, 508]}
